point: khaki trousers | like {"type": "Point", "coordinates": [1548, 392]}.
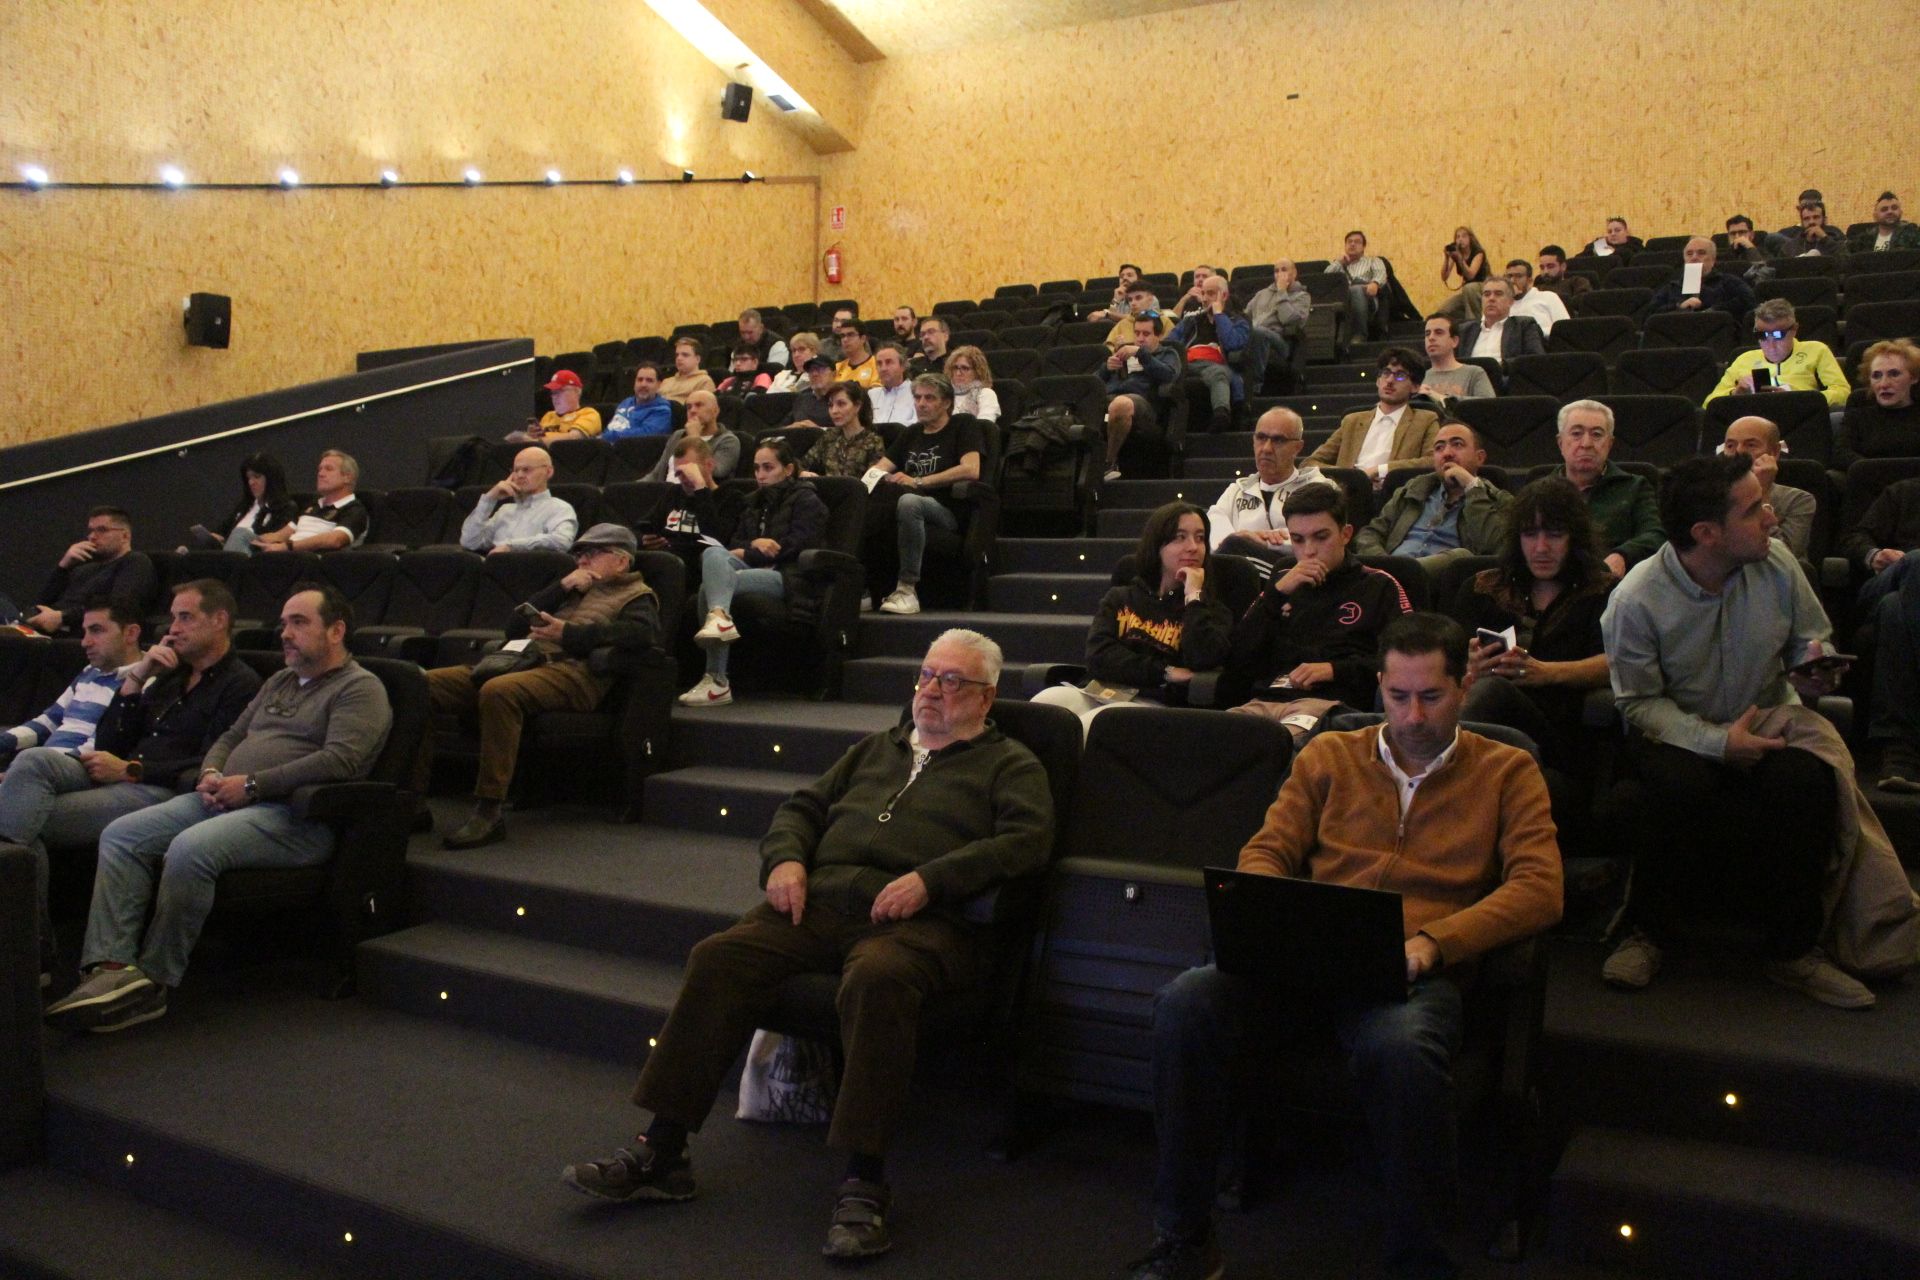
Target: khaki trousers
{"type": "Point", "coordinates": [503, 705]}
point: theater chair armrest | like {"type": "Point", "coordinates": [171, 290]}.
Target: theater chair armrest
{"type": "Point", "coordinates": [1836, 574]}
{"type": "Point", "coordinates": [610, 661]}
{"type": "Point", "coordinates": [1045, 675]}
{"type": "Point", "coordinates": [1204, 689]}
{"type": "Point", "coordinates": [976, 491]}
{"type": "Point", "coordinates": [1004, 903]}
{"type": "Point", "coordinates": [334, 801]}
{"type": "Point", "coordinates": [824, 562]}
{"type": "Point", "coordinates": [1597, 710]}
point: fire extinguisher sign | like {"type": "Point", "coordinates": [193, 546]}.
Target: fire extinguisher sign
{"type": "Point", "coordinates": [837, 220]}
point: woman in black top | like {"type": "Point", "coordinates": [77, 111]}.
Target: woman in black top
{"type": "Point", "coordinates": [784, 517]}
{"type": "Point", "coordinates": [1885, 423]}
{"type": "Point", "coordinates": [1152, 634]}
{"type": "Point", "coordinates": [1551, 587]}
{"type": "Point", "coordinates": [264, 504]}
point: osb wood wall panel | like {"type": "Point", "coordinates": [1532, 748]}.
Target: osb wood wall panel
{"type": "Point", "coordinates": [1170, 139]}
{"type": "Point", "coordinates": [232, 90]}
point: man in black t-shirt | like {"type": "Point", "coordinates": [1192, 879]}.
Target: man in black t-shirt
{"type": "Point", "coordinates": [928, 459]}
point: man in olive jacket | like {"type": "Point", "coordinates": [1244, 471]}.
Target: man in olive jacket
{"type": "Point", "coordinates": [866, 871]}
{"type": "Point", "coordinates": [1452, 512]}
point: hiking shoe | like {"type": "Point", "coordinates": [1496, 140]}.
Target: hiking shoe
{"type": "Point", "coordinates": [718, 630]}
{"type": "Point", "coordinates": [476, 831]}
{"type": "Point", "coordinates": [98, 994]}
{"type": "Point", "coordinates": [708, 693]}
{"type": "Point", "coordinates": [1899, 769]}
{"type": "Point", "coordinates": [903, 600]}
{"type": "Point", "coordinates": [1633, 963]}
{"type": "Point", "coordinates": [142, 1005]}
{"type": "Point", "coordinates": [633, 1173]}
{"type": "Point", "coordinates": [859, 1227]}
{"type": "Point", "coordinates": [1815, 975]}
{"type": "Point", "coordinates": [1172, 1259]}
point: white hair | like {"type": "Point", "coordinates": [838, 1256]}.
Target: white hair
{"type": "Point", "coordinates": [1588, 406]}
{"type": "Point", "coordinates": [985, 649]}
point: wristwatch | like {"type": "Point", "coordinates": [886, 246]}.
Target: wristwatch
{"type": "Point", "coordinates": [252, 788]}
{"type": "Point", "coordinates": [135, 771]}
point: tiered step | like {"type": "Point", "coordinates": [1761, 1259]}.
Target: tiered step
{"type": "Point", "coordinates": [890, 648]}
{"type": "Point", "coordinates": [1735, 1127]}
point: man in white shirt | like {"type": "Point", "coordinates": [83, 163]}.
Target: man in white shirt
{"type": "Point", "coordinates": [1391, 436]}
{"type": "Point", "coordinates": [519, 514]}
{"type": "Point", "coordinates": [1498, 333]}
{"type": "Point", "coordinates": [1541, 306]}
{"type": "Point", "coordinates": [1248, 518]}
{"type": "Point", "coordinates": [892, 396]}
{"type": "Point", "coordinates": [334, 520]}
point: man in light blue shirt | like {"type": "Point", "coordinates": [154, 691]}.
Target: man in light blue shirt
{"type": "Point", "coordinates": [518, 514]}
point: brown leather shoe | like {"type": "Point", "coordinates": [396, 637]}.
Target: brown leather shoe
{"type": "Point", "coordinates": [477, 831]}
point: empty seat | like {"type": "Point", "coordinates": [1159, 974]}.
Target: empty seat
{"type": "Point", "coordinates": [1082, 332]}
{"type": "Point", "coordinates": [1636, 276]}
{"type": "Point", "coordinates": [985, 339]}
{"type": "Point", "coordinates": [416, 518]}
{"type": "Point", "coordinates": [585, 501]}
{"type": "Point", "coordinates": [1804, 268]}
{"type": "Point", "coordinates": [1612, 302]}
{"type": "Point", "coordinates": [1082, 358]}
{"type": "Point", "coordinates": [432, 591]}
{"type": "Point", "coordinates": [364, 577]}
{"type": "Point", "coordinates": [264, 583]}
{"type": "Point", "coordinates": [579, 461]}
{"type": "Point", "coordinates": [1023, 363]}
{"type": "Point", "coordinates": [1516, 431]}
{"type": "Point", "coordinates": [1654, 428]}
{"type": "Point", "coordinates": [989, 318]}
{"type": "Point", "coordinates": [1715, 330]}
{"type": "Point", "coordinates": [1015, 291]}
{"type": "Point", "coordinates": [1060, 286]}
{"type": "Point", "coordinates": [1688, 372]}
{"type": "Point", "coordinates": [1878, 321]}
{"type": "Point", "coordinates": [1876, 263]}
{"type": "Point", "coordinates": [1883, 286]}
{"type": "Point", "coordinates": [630, 502]}
{"type": "Point", "coordinates": [1606, 336]}
{"type": "Point", "coordinates": [955, 307]}
{"type": "Point", "coordinates": [1802, 291]}
{"type": "Point", "coordinates": [1664, 244]}
{"type": "Point", "coordinates": [1567, 375]}
{"type": "Point", "coordinates": [1819, 322]}
{"type": "Point", "coordinates": [1037, 337]}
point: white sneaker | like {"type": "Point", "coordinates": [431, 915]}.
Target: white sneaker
{"type": "Point", "coordinates": [1113, 473]}
{"type": "Point", "coordinates": [708, 693]}
{"type": "Point", "coordinates": [718, 629]}
{"type": "Point", "coordinates": [903, 600]}
{"type": "Point", "coordinates": [866, 603]}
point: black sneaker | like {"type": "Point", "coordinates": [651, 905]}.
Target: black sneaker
{"type": "Point", "coordinates": [1899, 769]}
{"type": "Point", "coordinates": [1172, 1259]}
{"type": "Point", "coordinates": [859, 1227]}
{"type": "Point", "coordinates": [143, 1004]}
{"type": "Point", "coordinates": [635, 1173]}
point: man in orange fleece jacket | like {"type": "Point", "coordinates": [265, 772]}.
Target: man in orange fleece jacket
{"type": "Point", "coordinates": [1459, 826]}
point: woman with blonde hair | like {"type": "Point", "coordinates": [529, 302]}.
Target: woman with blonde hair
{"type": "Point", "coordinates": [801, 347]}
{"type": "Point", "coordinates": [972, 380]}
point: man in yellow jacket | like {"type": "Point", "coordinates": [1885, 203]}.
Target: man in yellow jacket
{"type": "Point", "coordinates": [1458, 825]}
{"type": "Point", "coordinates": [1790, 364]}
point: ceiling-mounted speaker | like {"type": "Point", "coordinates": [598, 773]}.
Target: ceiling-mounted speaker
{"type": "Point", "coordinates": [737, 103]}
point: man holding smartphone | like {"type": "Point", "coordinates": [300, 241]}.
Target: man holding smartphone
{"type": "Point", "coordinates": [603, 602]}
{"type": "Point", "coordinates": [1784, 362]}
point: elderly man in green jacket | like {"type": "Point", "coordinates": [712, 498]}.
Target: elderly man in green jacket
{"type": "Point", "coordinates": [1452, 512]}
{"type": "Point", "coordinates": [1625, 507]}
{"type": "Point", "coordinates": [866, 871]}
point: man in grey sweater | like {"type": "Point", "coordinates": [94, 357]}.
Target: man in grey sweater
{"type": "Point", "coordinates": [867, 873]}
{"type": "Point", "coordinates": [1278, 314]}
{"type": "Point", "coordinates": [324, 718]}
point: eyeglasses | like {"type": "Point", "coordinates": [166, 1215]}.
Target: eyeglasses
{"type": "Point", "coordinates": [1771, 335]}
{"type": "Point", "coordinates": [949, 681]}
{"type": "Point", "coordinates": [1261, 436]}
{"type": "Point", "coordinates": [1388, 375]}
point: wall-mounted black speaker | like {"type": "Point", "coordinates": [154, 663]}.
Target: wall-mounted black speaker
{"type": "Point", "coordinates": [209, 320]}
{"type": "Point", "coordinates": [737, 102]}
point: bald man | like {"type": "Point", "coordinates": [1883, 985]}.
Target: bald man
{"type": "Point", "coordinates": [1717, 291]}
{"type": "Point", "coordinates": [518, 514]}
{"type": "Point", "coordinates": [1759, 439]}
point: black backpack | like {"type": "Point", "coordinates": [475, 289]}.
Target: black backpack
{"type": "Point", "coordinates": [1041, 435]}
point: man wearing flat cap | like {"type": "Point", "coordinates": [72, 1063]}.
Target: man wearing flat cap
{"type": "Point", "coordinates": [603, 603]}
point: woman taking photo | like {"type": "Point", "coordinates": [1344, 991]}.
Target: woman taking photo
{"type": "Point", "coordinates": [972, 380]}
{"type": "Point", "coordinates": [263, 505]}
{"type": "Point", "coordinates": [1152, 634]}
{"type": "Point", "coordinates": [1462, 257]}
{"type": "Point", "coordinates": [1550, 586]}
{"type": "Point", "coordinates": [783, 518]}
{"type": "Point", "coordinates": [851, 445]}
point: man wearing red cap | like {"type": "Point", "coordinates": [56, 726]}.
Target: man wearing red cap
{"type": "Point", "coordinates": [567, 414]}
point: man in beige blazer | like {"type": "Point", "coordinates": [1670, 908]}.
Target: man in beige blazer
{"type": "Point", "coordinates": [1391, 436]}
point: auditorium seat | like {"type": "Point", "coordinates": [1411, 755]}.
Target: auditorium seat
{"type": "Point", "coordinates": [432, 592]}
{"type": "Point", "coordinates": [1639, 277]}
{"type": "Point", "coordinates": [1818, 322]}
{"type": "Point", "coordinates": [364, 577]}
{"type": "Point", "coordinates": [1023, 363]}
{"type": "Point", "coordinates": [585, 501]}
{"type": "Point", "coordinates": [1688, 372]}
{"type": "Point", "coordinates": [1516, 431]}
{"type": "Point", "coordinates": [1804, 418]}
{"type": "Point", "coordinates": [1818, 265]}
{"type": "Point", "coordinates": [1715, 330]}
{"type": "Point", "coordinates": [992, 318]}
{"type": "Point", "coordinates": [1612, 302]}
{"type": "Point", "coordinates": [415, 518]}
{"type": "Point", "coordinates": [1804, 291]}
{"type": "Point", "coordinates": [985, 339]}
{"type": "Point", "coordinates": [1081, 358]}
{"type": "Point", "coordinates": [577, 461]}
{"type": "Point", "coordinates": [1037, 337]}
{"type": "Point", "coordinates": [1605, 336]}
{"type": "Point", "coordinates": [1654, 428]}
{"type": "Point", "coordinates": [1570, 375]}
{"type": "Point", "coordinates": [1882, 286]}
{"type": "Point", "coordinates": [1058, 495]}
{"type": "Point", "coordinates": [1878, 321]}
{"type": "Point", "coordinates": [954, 307]}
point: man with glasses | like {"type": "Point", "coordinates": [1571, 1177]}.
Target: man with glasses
{"type": "Point", "coordinates": [867, 871]}
{"type": "Point", "coordinates": [1541, 306]}
{"type": "Point", "coordinates": [1391, 436]}
{"type": "Point", "coordinates": [935, 335]}
{"type": "Point", "coordinates": [520, 513]}
{"type": "Point", "coordinates": [604, 602]}
{"type": "Point", "coordinates": [1142, 301]}
{"type": "Point", "coordinates": [1249, 517]}
{"type": "Point", "coordinates": [102, 564]}
{"type": "Point", "coordinates": [1783, 362]}
{"type": "Point", "coordinates": [1715, 290]}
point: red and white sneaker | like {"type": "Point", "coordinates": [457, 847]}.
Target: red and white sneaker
{"type": "Point", "coordinates": [718, 629]}
{"type": "Point", "coordinates": [708, 693]}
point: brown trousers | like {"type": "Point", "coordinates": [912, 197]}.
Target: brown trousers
{"type": "Point", "coordinates": [886, 972]}
{"type": "Point", "coordinates": [503, 705]}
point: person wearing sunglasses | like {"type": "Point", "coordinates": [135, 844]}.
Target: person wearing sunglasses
{"type": "Point", "coordinates": [1784, 362]}
{"type": "Point", "coordinates": [868, 872]}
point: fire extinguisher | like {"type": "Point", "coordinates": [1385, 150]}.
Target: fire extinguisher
{"type": "Point", "coordinates": [835, 265]}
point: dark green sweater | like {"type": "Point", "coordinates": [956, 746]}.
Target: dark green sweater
{"type": "Point", "coordinates": [980, 812]}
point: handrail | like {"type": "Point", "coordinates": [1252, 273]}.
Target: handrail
{"type": "Point", "coordinates": [356, 401]}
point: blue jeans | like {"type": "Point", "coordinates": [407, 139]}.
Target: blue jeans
{"type": "Point", "coordinates": [1894, 596]}
{"type": "Point", "coordinates": [916, 512]}
{"type": "Point", "coordinates": [172, 854]}
{"type": "Point", "coordinates": [47, 797]}
{"type": "Point", "coordinates": [1205, 1025]}
{"type": "Point", "coordinates": [1263, 346]}
{"type": "Point", "coordinates": [241, 539]}
{"type": "Point", "coordinates": [724, 575]}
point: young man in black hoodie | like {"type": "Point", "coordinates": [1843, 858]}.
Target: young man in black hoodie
{"type": "Point", "coordinates": [1315, 632]}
